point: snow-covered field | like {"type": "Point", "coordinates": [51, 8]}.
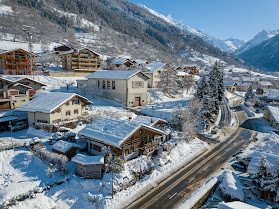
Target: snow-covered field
{"type": "Point", "coordinates": [161, 105]}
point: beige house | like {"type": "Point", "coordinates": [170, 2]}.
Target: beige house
{"type": "Point", "coordinates": [54, 107]}
{"type": "Point", "coordinates": [230, 86]}
{"type": "Point", "coordinates": [126, 87]}
{"type": "Point", "coordinates": [80, 59]}
{"type": "Point", "coordinates": [153, 70]}
{"type": "Point", "coordinates": [271, 113]}
{"type": "Point", "coordinates": [16, 91]}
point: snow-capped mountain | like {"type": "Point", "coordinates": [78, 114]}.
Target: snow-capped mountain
{"type": "Point", "coordinates": [229, 45]}
{"type": "Point", "coordinates": [258, 39]}
{"type": "Point", "coordinates": [265, 56]}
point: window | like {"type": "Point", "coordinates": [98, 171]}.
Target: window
{"type": "Point", "coordinates": [68, 103]}
{"type": "Point", "coordinates": [22, 100]}
{"type": "Point", "coordinates": [75, 111]}
{"type": "Point", "coordinates": [113, 84]}
{"type": "Point", "coordinates": [68, 112]}
{"type": "Point", "coordinates": [99, 84]}
{"type": "Point", "coordinates": [41, 121]}
{"type": "Point", "coordinates": [108, 84]}
{"type": "Point", "coordinates": [22, 92]}
{"type": "Point", "coordinates": [97, 148]}
{"type": "Point", "coordinates": [137, 84]}
{"type": "Point", "coordinates": [104, 84]}
{"type": "Point", "coordinates": [75, 101]}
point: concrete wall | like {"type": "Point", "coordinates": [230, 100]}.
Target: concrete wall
{"type": "Point", "coordinates": [69, 74]}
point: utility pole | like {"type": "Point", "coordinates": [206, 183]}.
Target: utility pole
{"type": "Point", "coordinates": [112, 184]}
{"type": "Point", "coordinates": [10, 126]}
{"type": "Point", "coordinates": [28, 30]}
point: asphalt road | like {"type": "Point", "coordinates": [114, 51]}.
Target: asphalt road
{"type": "Point", "coordinates": [170, 193]}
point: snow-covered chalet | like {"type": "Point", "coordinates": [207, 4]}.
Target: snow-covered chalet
{"type": "Point", "coordinates": [55, 107]}
{"type": "Point", "coordinates": [126, 139]}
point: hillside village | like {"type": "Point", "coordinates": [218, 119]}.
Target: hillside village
{"type": "Point", "coordinates": [83, 126]}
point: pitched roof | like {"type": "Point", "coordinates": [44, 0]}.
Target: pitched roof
{"type": "Point", "coordinates": [273, 94]}
{"type": "Point", "coordinates": [154, 66]}
{"type": "Point", "coordinates": [115, 74]}
{"type": "Point", "coordinates": [46, 102]}
{"type": "Point", "coordinates": [112, 131]}
{"type": "Point", "coordinates": [140, 62]}
{"type": "Point", "coordinates": [274, 112]}
{"type": "Point", "coordinates": [265, 83]}
{"type": "Point", "coordinates": [243, 84]}
{"type": "Point", "coordinates": [77, 50]}
{"type": "Point", "coordinates": [20, 84]}
{"type": "Point", "coordinates": [88, 160]}
{"type": "Point", "coordinates": [7, 51]}
{"type": "Point", "coordinates": [229, 83]}
{"type": "Point", "coordinates": [189, 65]}
{"type": "Point", "coordinates": [63, 146]}
{"type": "Point", "coordinates": [146, 120]}
{"type": "Point", "coordinates": [15, 78]}
{"type": "Point", "coordinates": [120, 61]}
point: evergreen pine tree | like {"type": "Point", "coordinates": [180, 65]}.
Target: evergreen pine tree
{"type": "Point", "coordinates": [200, 88]}
{"type": "Point", "coordinates": [250, 95]}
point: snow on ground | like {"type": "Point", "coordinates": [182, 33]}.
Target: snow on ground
{"type": "Point", "coordinates": [199, 193]}
{"type": "Point", "coordinates": [80, 193]}
{"type": "Point", "coordinates": [10, 45]}
{"type": "Point", "coordinates": [4, 9]}
{"type": "Point", "coordinates": [161, 105]}
{"type": "Point", "coordinates": [21, 171]}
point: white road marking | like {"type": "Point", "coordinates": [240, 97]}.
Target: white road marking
{"type": "Point", "coordinates": [173, 195]}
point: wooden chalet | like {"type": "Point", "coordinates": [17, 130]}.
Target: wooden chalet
{"type": "Point", "coordinates": [191, 69]}
{"type": "Point", "coordinates": [230, 86]}
{"type": "Point", "coordinates": [62, 48]}
{"type": "Point", "coordinates": [151, 121]}
{"type": "Point", "coordinates": [126, 139]}
{"type": "Point", "coordinates": [122, 61]}
{"type": "Point", "coordinates": [17, 62]}
{"type": "Point", "coordinates": [65, 148]}
{"type": "Point", "coordinates": [89, 166]}
{"type": "Point", "coordinates": [80, 59]}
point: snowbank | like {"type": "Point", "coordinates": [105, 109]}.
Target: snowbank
{"type": "Point", "coordinates": [39, 133]}
{"type": "Point", "coordinates": [247, 110]}
{"type": "Point", "coordinates": [198, 194]}
{"type": "Point", "coordinates": [235, 205]}
{"type": "Point", "coordinates": [231, 187]}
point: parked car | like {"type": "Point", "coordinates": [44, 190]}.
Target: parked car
{"type": "Point", "coordinates": [18, 126]}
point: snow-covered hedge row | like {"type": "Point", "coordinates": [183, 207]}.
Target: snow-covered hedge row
{"type": "Point", "coordinates": [89, 118]}
{"type": "Point", "coordinates": [55, 127]}
{"type": "Point", "coordinates": [59, 161]}
{"type": "Point", "coordinates": [12, 145]}
{"type": "Point", "coordinates": [30, 194]}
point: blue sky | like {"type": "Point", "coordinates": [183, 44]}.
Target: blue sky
{"type": "Point", "coordinates": [241, 19]}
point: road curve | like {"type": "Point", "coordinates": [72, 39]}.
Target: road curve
{"type": "Point", "coordinates": [170, 193]}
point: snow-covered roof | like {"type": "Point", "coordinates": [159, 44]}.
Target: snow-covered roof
{"type": "Point", "coordinates": [243, 84]}
{"type": "Point", "coordinates": [274, 112]}
{"type": "Point", "coordinates": [46, 102]}
{"type": "Point", "coordinates": [15, 78]}
{"type": "Point", "coordinates": [7, 51]}
{"type": "Point", "coordinates": [88, 160]}
{"type": "Point", "coordinates": [112, 131]}
{"type": "Point", "coordinates": [154, 66]}
{"type": "Point", "coordinates": [271, 159]}
{"type": "Point", "coordinates": [77, 50]}
{"type": "Point", "coordinates": [120, 61]}
{"type": "Point", "coordinates": [181, 73]}
{"type": "Point", "coordinates": [235, 205]}
{"type": "Point", "coordinates": [115, 74]}
{"type": "Point", "coordinates": [273, 94]}
{"type": "Point", "coordinates": [63, 146]}
{"type": "Point", "coordinates": [250, 79]}
{"type": "Point", "coordinates": [9, 118]}
{"type": "Point", "coordinates": [20, 84]}
{"type": "Point", "coordinates": [229, 83]}
{"type": "Point", "coordinates": [150, 121]}
{"type": "Point", "coordinates": [265, 83]}
{"type": "Point", "coordinates": [140, 62]}
{"type": "Point", "coordinates": [189, 65]}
